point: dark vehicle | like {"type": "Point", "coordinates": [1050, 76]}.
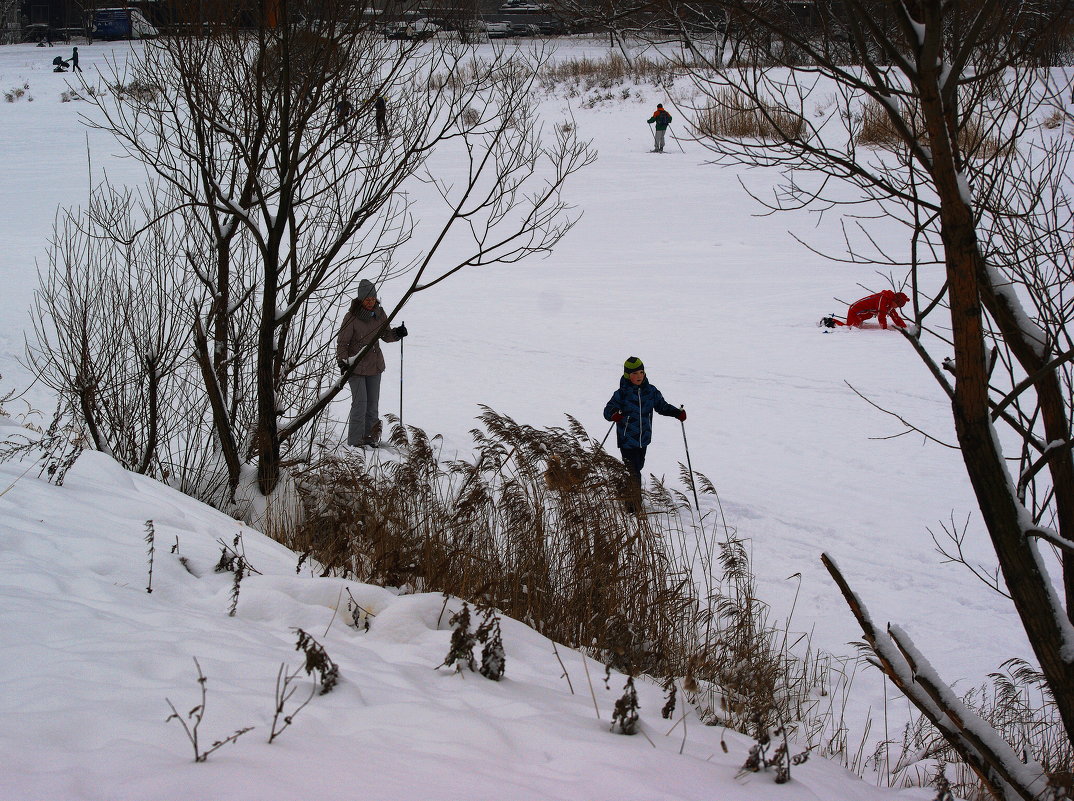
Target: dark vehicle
{"type": "Point", "coordinates": [396, 30]}
{"type": "Point", "coordinates": [497, 30]}
{"type": "Point", "coordinates": [43, 32]}
{"type": "Point", "coordinates": [524, 29]}
{"type": "Point", "coordinates": [552, 27]}
{"type": "Point", "coordinates": [121, 23]}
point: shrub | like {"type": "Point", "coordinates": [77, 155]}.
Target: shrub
{"type": "Point", "coordinates": [731, 115]}
{"type": "Point", "coordinates": [17, 93]}
{"type": "Point", "coordinates": [875, 129]}
{"type": "Point", "coordinates": [536, 525]}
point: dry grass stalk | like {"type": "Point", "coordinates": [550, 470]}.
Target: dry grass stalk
{"type": "Point", "coordinates": [611, 70]}
{"type": "Point", "coordinates": [536, 526]}
{"type": "Point", "coordinates": [731, 115]}
{"type": "Point", "coordinates": [1019, 706]}
{"type": "Point", "coordinates": [877, 130]}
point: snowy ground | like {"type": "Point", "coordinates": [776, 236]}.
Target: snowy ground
{"type": "Point", "coordinates": [671, 263]}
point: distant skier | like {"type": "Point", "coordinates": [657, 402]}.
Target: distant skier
{"type": "Point", "coordinates": [882, 305]}
{"type": "Point", "coordinates": [631, 408]}
{"type": "Point", "coordinates": [662, 120]}
{"type": "Point", "coordinates": [74, 61]}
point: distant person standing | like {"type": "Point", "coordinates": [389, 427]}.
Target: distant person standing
{"type": "Point", "coordinates": [343, 112]}
{"type": "Point", "coordinates": [74, 61]}
{"type": "Point", "coordinates": [364, 324]}
{"type": "Point", "coordinates": [662, 120]}
{"type": "Point", "coordinates": [380, 111]}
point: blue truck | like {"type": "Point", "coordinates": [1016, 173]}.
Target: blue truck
{"type": "Point", "coordinates": [121, 23]}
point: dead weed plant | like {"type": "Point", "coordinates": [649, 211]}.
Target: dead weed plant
{"type": "Point", "coordinates": [536, 525]}
{"type": "Point", "coordinates": [611, 70]}
{"type": "Point", "coordinates": [731, 115]}
{"type": "Point", "coordinates": [875, 129]}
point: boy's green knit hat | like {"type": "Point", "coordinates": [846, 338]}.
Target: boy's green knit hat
{"type": "Point", "coordinates": [632, 365]}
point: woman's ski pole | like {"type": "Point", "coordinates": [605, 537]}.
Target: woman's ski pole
{"type": "Point", "coordinates": [689, 466]}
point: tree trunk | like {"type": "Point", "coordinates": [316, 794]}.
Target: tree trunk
{"type": "Point", "coordinates": [993, 488]}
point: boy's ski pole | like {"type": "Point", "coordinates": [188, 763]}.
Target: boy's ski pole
{"type": "Point", "coordinates": [610, 430]}
{"type": "Point", "coordinates": [653, 132]}
{"type": "Point", "coordinates": [689, 466]}
{"type": "Point", "coordinates": [403, 325]}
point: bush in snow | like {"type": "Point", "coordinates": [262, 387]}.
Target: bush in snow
{"type": "Point", "coordinates": [536, 526]}
{"type": "Point", "coordinates": [493, 659]}
{"type": "Point", "coordinates": [16, 93]}
{"type": "Point", "coordinates": [461, 651]}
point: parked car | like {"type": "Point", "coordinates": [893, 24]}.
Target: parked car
{"type": "Point", "coordinates": [396, 30]}
{"type": "Point", "coordinates": [552, 27]}
{"type": "Point", "coordinates": [497, 30]}
{"type": "Point", "coordinates": [423, 29]}
{"type": "Point", "coordinates": [524, 29]}
{"type": "Point", "coordinates": [42, 32]}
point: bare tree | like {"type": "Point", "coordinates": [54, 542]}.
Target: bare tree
{"type": "Point", "coordinates": [280, 193]}
{"type": "Point", "coordinates": [96, 301]}
{"type": "Point", "coordinates": [932, 110]}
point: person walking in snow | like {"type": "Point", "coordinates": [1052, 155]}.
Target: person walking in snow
{"type": "Point", "coordinates": [662, 120]}
{"type": "Point", "coordinates": [343, 112]}
{"type": "Point", "coordinates": [364, 323]}
{"type": "Point", "coordinates": [380, 111]}
{"type": "Point", "coordinates": [631, 408]}
{"type": "Point", "coordinates": [74, 61]}
{"type": "Point", "coordinates": [881, 305]}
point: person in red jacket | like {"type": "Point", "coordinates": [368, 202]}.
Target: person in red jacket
{"type": "Point", "coordinates": [882, 305]}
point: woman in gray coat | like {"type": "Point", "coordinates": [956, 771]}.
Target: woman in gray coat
{"type": "Point", "coordinates": [364, 323]}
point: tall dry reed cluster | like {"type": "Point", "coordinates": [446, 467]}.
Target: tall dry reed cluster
{"type": "Point", "coordinates": [875, 129]}
{"type": "Point", "coordinates": [730, 114]}
{"type": "Point", "coordinates": [611, 70]}
{"type": "Point", "coordinates": [536, 525]}
{"type": "Point", "coordinates": [1018, 704]}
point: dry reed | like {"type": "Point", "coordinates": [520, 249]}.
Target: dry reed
{"type": "Point", "coordinates": [732, 115]}
{"type": "Point", "coordinates": [536, 525]}
{"type": "Point", "coordinates": [875, 129]}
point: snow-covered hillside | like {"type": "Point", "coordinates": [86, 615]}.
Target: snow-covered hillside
{"type": "Point", "coordinates": [669, 262]}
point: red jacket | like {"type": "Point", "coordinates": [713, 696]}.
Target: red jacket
{"type": "Point", "coordinates": [881, 305]}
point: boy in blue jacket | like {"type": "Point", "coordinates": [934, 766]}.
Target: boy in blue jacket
{"type": "Point", "coordinates": [631, 408]}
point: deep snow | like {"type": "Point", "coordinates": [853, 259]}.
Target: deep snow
{"type": "Point", "coordinates": [670, 262]}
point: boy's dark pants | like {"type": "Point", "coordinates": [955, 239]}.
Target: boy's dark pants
{"type": "Point", "coordinates": [634, 459]}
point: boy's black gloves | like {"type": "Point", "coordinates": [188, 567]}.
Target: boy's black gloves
{"type": "Point", "coordinates": [343, 367]}
{"type": "Point", "coordinates": [400, 331]}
